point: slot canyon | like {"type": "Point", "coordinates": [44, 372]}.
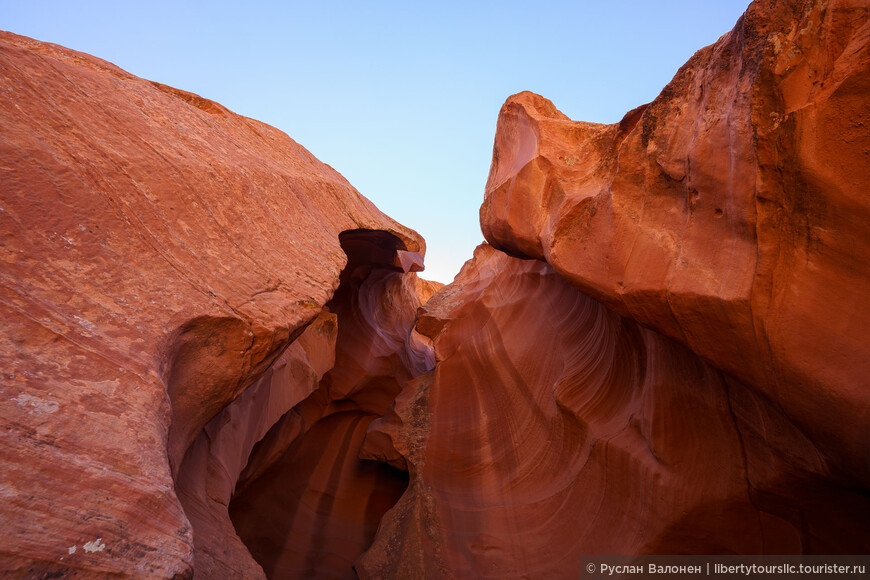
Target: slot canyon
{"type": "Point", "coordinates": [220, 360]}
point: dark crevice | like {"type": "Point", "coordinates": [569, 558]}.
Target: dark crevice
{"type": "Point", "coordinates": [306, 505]}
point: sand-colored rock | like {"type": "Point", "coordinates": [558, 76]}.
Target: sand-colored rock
{"type": "Point", "coordinates": [730, 214]}
{"type": "Point", "coordinates": [552, 427]}
{"type": "Point", "coordinates": [155, 248]}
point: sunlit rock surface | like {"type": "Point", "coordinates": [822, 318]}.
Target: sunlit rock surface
{"type": "Point", "coordinates": [156, 248]}
{"type": "Point", "coordinates": [218, 359]}
{"type": "Point", "coordinates": [730, 214]}
{"type": "Point", "coordinates": [707, 391]}
{"type": "Point", "coordinates": [553, 427]}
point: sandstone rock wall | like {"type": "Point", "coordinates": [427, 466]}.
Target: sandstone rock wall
{"type": "Point", "coordinates": [730, 214]}
{"type": "Point", "coordinates": [679, 362]}
{"type": "Point", "coordinates": [306, 504]}
{"type": "Point", "coordinates": [553, 427]}
{"type": "Point", "coordinates": [156, 248]}
{"type": "Point", "coordinates": [216, 363]}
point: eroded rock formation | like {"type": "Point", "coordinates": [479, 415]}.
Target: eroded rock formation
{"type": "Point", "coordinates": [553, 427]}
{"type": "Point", "coordinates": [679, 363]}
{"type": "Point", "coordinates": [216, 362]}
{"type": "Point", "coordinates": [212, 466]}
{"type": "Point", "coordinates": [730, 213]}
{"type": "Point", "coordinates": [159, 255]}
{"type": "Point", "coordinates": [306, 505]}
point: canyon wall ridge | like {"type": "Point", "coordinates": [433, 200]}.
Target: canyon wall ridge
{"type": "Point", "coordinates": [219, 359]}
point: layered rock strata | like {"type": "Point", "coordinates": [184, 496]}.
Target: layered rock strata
{"type": "Point", "coordinates": [306, 504]}
{"type": "Point", "coordinates": [678, 362]}
{"type": "Point", "coordinates": [159, 255]}
{"type": "Point", "coordinates": [730, 214]}
{"type": "Point", "coordinates": [553, 427]}
{"type": "Point", "coordinates": [211, 366]}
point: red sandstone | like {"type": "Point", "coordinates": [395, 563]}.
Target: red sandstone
{"type": "Point", "coordinates": [595, 436]}
{"type": "Point", "coordinates": [730, 213]}
{"type": "Point", "coordinates": [156, 249]}
{"type": "Point", "coordinates": [216, 362]}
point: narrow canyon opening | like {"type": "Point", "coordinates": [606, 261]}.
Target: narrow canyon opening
{"type": "Point", "coordinates": [278, 469]}
{"type": "Point", "coordinates": [219, 361]}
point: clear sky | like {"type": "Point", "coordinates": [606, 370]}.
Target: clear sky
{"type": "Point", "coordinates": [400, 97]}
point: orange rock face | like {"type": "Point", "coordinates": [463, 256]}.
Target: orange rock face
{"type": "Point", "coordinates": [159, 254]}
{"type": "Point", "coordinates": [706, 391]}
{"type": "Point", "coordinates": [552, 427]}
{"type": "Point", "coordinates": [212, 466]}
{"type": "Point", "coordinates": [306, 505]}
{"type": "Point", "coordinates": [730, 214]}
{"type": "Point", "coordinates": [218, 359]}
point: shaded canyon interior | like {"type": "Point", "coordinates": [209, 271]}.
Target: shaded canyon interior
{"type": "Point", "coordinates": [219, 360]}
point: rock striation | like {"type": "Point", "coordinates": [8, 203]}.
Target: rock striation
{"type": "Point", "coordinates": [306, 505]}
{"type": "Point", "coordinates": [219, 361]}
{"type": "Point", "coordinates": [729, 214]}
{"type": "Point", "coordinates": [553, 427]}
{"type": "Point", "coordinates": [212, 466]}
{"type": "Point", "coordinates": [664, 348]}
{"type": "Point", "coordinates": [161, 257]}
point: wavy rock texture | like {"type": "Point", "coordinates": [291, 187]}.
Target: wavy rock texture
{"type": "Point", "coordinates": [216, 364]}
{"type": "Point", "coordinates": [707, 392]}
{"type": "Point", "coordinates": [155, 248]}
{"type": "Point", "coordinates": [212, 466]}
{"type": "Point", "coordinates": [552, 427]}
{"type": "Point", "coordinates": [307, 506]}
{"type": "Point", "coordinates": [730, 213]}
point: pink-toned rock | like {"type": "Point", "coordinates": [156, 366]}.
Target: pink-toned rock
{"type": "Point", "coordinates": [210, 335]}
{"type": "Point", "coordinates": [158, 253]}
{"type": "Point", "coordinates": [731, 213]}
{"type": "Point", "coordinates": [552, 427]}
{"type": "Point", "coordinates": [307, 505]}
{"type": "Point", "coordinates": [707, 393]}
{"type": "Point", "coordinates": [212, 466]}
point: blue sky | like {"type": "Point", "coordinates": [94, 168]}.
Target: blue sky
{"type": "Point", "coordinates": [400, 97]}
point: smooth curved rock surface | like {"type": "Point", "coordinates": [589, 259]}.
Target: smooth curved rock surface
{"type": "Point", "coordinates": [155, 247]}
{"type": "Point", "coordinates": [307, 505]}
{"type": "Point", "coordinates": [213, 464]}
{"type": "Point", "coordinates": [730, 213]}
{"type": "Point", "coordinates": [552, 427]}
{"type": "Point", "coordinates": [216, 362]}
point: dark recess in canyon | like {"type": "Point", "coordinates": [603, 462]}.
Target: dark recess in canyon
{"type": "Point", "coordinates": [219, 360]}
{"type": "Point", "coordinates": [307, 505]}
{"type": "Point", "coordinates": [284, 456]}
